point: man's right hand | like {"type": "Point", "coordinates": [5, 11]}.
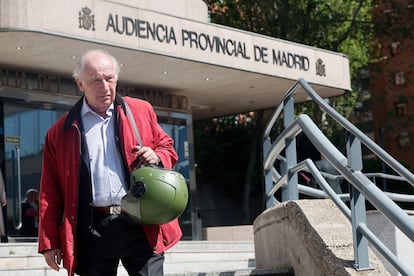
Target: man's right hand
{"type": "Point", "coordinates": [53, 258]}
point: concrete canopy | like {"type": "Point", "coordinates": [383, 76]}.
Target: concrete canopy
{"type": "Point", "coordinates": [220, 70]}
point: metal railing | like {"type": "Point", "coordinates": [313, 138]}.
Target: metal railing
{"type": "Point", "coordinates": [281, 172]}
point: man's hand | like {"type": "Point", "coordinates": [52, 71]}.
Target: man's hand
{"type": "Point", "coordinates": [53, 258]}
{"type": "Point", "coordinates": [146, 155]}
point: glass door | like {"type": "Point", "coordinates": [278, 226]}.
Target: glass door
{"type": "Point", "coordinates": [25, 128]}
{"type": "Point", "coordinates": [179, 127]}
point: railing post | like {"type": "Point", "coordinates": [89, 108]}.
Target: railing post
{"type": "Point", "coordinates": [358, 210]}
{"type": "Point", "coordinates": [268, 179]}
{"type": "Point", "coordinates": [290, 192]}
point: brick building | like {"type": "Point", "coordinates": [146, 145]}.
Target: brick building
{"type": "Point", "coordinates": [392, 81]}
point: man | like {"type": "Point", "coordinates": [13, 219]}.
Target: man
{"type": "Point", "coordinates": [87, 157]}
{"type": "Point", "coordinates": [30, 213]}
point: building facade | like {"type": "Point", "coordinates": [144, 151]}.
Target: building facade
{"type": "Point", "coordinates": [392, 81]}
{"type": "Point", "coordinates": [170, 55]}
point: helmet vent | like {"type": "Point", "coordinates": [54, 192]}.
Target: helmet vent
{"type": "Point", "coordinates": [138, 190]}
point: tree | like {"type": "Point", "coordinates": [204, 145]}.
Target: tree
{"type": "Point", "coordinates": [339, 25]}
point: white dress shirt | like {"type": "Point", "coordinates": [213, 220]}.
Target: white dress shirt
{"type": "Point", "coordinates": [108, 185]}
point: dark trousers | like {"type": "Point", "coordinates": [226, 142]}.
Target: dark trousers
{"type": "Point", "coordinates": [114, 239]}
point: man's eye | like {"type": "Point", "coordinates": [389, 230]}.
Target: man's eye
{"type": "Point", "coordinates": [100, 81]}
{"type": "Point", "coordinates": [94, 81]}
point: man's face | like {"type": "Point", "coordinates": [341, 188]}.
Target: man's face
{"type": "Point", "coordinates": [32, 196]}
{"type": "Point", "coordinates": [98, 82]}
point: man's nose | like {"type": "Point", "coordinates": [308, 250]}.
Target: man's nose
{"type": "Point", "coordinates": [103, 83]}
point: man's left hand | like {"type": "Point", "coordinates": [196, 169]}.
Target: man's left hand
{"type": "Point", "coordinates": [146, 155]}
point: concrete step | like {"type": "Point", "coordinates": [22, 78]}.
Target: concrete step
{"type": "Point", "coordinates": [22, 255]}
{"type": "Point", "coordinates": [243, 272]}
{"type": "Point", "coordinates": [186, 258]}
{"type": "Point", "coordinates": [208, 256]}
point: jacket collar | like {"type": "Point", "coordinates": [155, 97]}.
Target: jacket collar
{"type": "Point", "coordinates": [75, 111]}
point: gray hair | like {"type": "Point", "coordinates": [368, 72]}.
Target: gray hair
{"type": "Point", "coordinates": [80, 66]}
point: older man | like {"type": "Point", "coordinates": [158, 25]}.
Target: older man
{"type": "Point", "coordinates": [88, 155]}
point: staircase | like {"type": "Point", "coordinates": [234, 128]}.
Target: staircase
{"type": "Point", "coordinates": [189, 258]}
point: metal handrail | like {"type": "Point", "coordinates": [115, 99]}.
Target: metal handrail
{"type": "Point", "coordinates": [362, 183]}
{"type": "Point", "coordinates": [367, 141]}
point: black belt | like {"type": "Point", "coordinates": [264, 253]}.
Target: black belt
{"type": "Point", "coordinates": [108, 210]}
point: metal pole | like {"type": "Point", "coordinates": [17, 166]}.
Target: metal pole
{"type": "Point", "coordinates": [384, 180]}
{"type": "Point", "coordinates": [358, 209]}
{"type": "Point", "coordinates": [17, 201]}
{"type": "Point", "coordinates": [291, 191]}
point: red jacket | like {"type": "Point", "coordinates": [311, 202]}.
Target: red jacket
{"type": "Point", "coordinates": [61, 170]}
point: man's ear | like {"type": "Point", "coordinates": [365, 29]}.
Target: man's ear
{"type": "Point", "coordinates": [79, 82]}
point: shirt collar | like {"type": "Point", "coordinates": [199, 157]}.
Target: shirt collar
{"type": "Point", "coordinates": [87, 109]}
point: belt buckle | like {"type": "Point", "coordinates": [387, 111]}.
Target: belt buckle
{"type": "Point", "coordinates": [115, 210]}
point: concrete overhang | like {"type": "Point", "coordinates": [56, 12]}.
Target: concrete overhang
{"type": "Point", "coordinates": [219, 70]}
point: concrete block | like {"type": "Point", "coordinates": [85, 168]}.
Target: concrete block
{"type": "Point", "coordinates": [312, 237]}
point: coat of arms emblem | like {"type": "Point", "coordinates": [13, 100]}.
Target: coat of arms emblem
{"type": "Point", "coordinates": [86, 19]}
{"type": "Point", "coordinates": [320, 68]}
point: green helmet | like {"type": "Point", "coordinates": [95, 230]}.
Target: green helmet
{"type": "Point", "coordinates": [156, 196]}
